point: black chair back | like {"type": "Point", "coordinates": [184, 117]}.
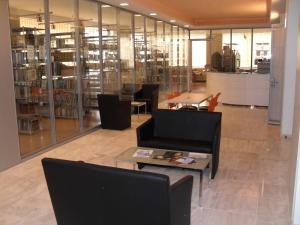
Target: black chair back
{"type": "Point", "coordinates": [114, 113]}
{"type": "Point", "coordinates": [87, 194]}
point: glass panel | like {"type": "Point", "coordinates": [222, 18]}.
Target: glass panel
{"type": "Point", "coordinates": [168, 52]}
{"type": "Point", "coordinates": [140, 48]}
{"type": "Point", "coordinates": [221, 51]}
{"type": "Point", "coordinates": [160, 59]}
{"type": "Point", "coordinates": [201, 49]}
{"type": "Point", "coordinates": [185, 58]}
{"type": "Point", "coordinates": [199, 34]}
{"type": "Point", "coordinates": [182, 78]}
{"type": "Point", "coordinates": [127, 54]}
{"type": "Point", "coordinates": [63, 53]}
{"type": "Point", "coordinates": [262, 50]}
{"type": "Point", "coordinates": [241, 46]}
{"type": "Point", "coordinates": [109, 49]}
{"type": "Point", "coordinates": [175, 60]}
{"type": "Point", "coordinates": [30, 75]}
{"type": "Point", "coordinates": [90, 62]}
{"type": "Point", "coordinates": [151, 51]}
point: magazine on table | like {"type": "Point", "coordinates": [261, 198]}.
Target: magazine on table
{"type": "Point", "coordinates": [185, 160]}
{"type": "Point", "coordinates": [168, 155]}
{"type": "Point", "coordinates": [143, 153]}
{"type": "Point", "coordinates": [197, 155]}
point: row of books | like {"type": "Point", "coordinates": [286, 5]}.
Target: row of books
{"type": "Point", "coordinates": [24, 74]}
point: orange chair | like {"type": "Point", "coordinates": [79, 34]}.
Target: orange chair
{"type": "Point", "coordinates": [213, 102]}
{"type": "Point", "coordinates": [170, 96]}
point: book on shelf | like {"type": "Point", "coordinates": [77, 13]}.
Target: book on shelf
{"type": "Point", "coordinates": [143, 153]}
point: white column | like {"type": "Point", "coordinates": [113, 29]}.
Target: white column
{"type": "Point", "coordinates": [296, 198]}
{"type": "Point", "coordinates": [290, 58]}
{"type": "Point", "coordinates": [9, 147]}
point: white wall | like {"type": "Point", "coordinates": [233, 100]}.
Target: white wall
{"type": "Point", "coordinates": [293, 10]}
{"type": "Point", "coordinates": [295, 147]}
{"type": "Point", "coordinates": [9, 141]}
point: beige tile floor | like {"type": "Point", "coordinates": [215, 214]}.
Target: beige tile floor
{"type": "Point", "coordinates": [251, 187]}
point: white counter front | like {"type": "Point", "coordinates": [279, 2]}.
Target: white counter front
{"type": "Point", "coordinates": [240, 89]}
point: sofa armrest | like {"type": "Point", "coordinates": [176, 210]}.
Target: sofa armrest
{"type": "Point", "coordinates": [180, 197]}
{"type": "Point", "coordinates": [145, 130]}
{"type": "Point", "coordinates": [216, 149]}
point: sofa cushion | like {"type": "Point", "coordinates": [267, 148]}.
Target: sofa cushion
{"type": "Point", "coordinates": [177, 144]}
{"type": "Point", "coordinates": [186, 125]}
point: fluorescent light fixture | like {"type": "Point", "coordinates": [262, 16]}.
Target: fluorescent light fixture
{"type": "Point", "coordinates": [173, 21]}
{"type": "Point", "coordinates": [137, 15]}
{"type": "Point", "coordinates": [124, 4]}
{"type": "Point", "coordinates": [186, 25]}
{"type": "Point", "coordinates": [105, 6]}
{"type": "Point", "coordinates": [159, 21]}
{"type": "Point", "coordinates": [153, 14]}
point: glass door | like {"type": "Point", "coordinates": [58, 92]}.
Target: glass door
{"type": "Point", "coordinates": [140, 49]}
{"type": "Point", "coordinates": [30, 76]}
{"type": "Point", "coordinates": [64, 68]}
{"type": "Point", "coordinates": [90, 61]}
{"type": "Point", "coordinates": [127, 55]}
{"type": "Point", "coordinates": [111, 81]}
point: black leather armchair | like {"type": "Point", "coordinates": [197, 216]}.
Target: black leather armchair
{"type": "Point", "coordinates": [114, 113]}
{"type": "Point", "coordinates": [148, 94]}
{"type": "Point", "coordinates": [87, 194]}
{"type": "Point", "coordinates": [183, 130]}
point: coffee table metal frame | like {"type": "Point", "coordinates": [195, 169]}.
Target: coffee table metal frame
{"type": "Point", "coordinates": [200, 164]}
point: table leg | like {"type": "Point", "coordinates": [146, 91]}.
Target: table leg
{"type": "Point", "coordinates": [200, 186]}
{"type": "Point", "coordinates": [138, 112]}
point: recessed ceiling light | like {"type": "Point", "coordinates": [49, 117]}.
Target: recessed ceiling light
{"type": "Point", "coordinates": [159, 21]}
{"type": "Point", "coordinates": [174, 26]}
{"type": "Point", "coordinates": [137, 15]}
{"type": "Point", "coordinates": [153, 14]}
{"type": "Point", "coordinates": [186, 25]}
{"type": "Point", "coordinates": [124, 4]}
{"type": "Point", "coordinates": [172, 21]}
{"type": "Point", "coordinates": [105, 6]}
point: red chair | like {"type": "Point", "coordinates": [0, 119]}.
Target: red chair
{"type": "Point", "coordinates": [213, 102]}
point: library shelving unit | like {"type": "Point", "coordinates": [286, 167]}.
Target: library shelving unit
{"type": "Point", "coordinates": [63, 75]}
{"type": "Point", "coordinates": [91, 78]}
{"type": "Point", "coordinates": [28, 70]}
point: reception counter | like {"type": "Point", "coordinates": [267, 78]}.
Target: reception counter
{"type": "Point", "coordinates": [240, 89]}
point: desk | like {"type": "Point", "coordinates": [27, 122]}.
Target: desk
{"type": "Point", "coordinates": [190, 98]}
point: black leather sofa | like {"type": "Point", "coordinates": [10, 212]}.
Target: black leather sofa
{"type": "Point", "coordinates": [184, 130]}
{"type": "Point", "coordinates": [114, 113]}
{"type": "Point", "coordinates": [87, 194]}
{"type": "Point", "coordinates": [148, 94]}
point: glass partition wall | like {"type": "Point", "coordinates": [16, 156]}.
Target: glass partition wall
{"type": "Point", "coordinates": [232, 50]}
{"type": "Point", "coordinates": [66, 52]}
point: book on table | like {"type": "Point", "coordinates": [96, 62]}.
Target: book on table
{"type": "Point", "coordinates": [143, 153]}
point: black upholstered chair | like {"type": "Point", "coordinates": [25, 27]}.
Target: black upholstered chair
{"type": "Point", "coordinates": [183, 130]}
{"type": "Point", "coordinates": [87, 194]}
{"type": "Point", "coordinates": [148, 94]}
{"type": "Point", "coordinates": [114, 113]}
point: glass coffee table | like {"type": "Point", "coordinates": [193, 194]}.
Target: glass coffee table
{"type": "Point", "coordinates": [199, 164]}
